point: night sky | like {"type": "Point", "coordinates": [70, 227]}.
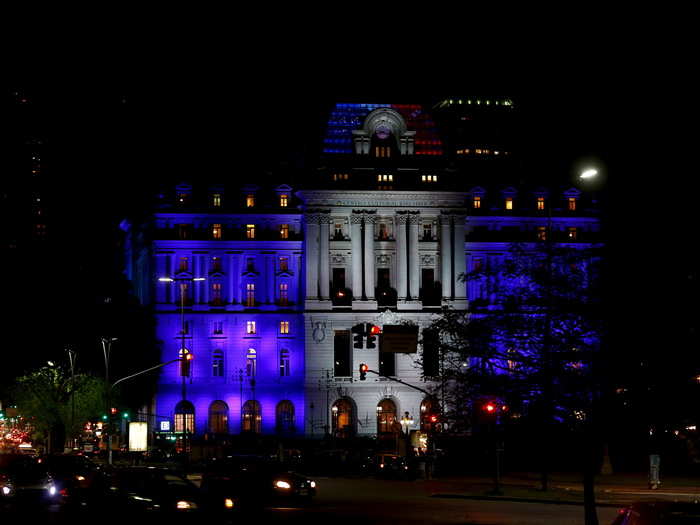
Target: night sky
{"type": "Point", "coordinates": [110, 143]}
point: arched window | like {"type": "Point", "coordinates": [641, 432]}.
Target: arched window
{"type": "Point", "coordinates": [285, 417]}
{"type": "Point", "coordinates": [218, 417]}
{"type": "Point", "coordinates": [185, 364]}
{"type": "Point", "coordinates": [184, 417]}
{"type": "Point", "coordinates": [386, 416]}
{"type": "Point", "coordinates": [251, 362]}
{"type": "Point", "coordinates": [251, 418]}
{"type": "Point", "coordinates": [284, 362]}
{"type": "Point", "coordinates": [343, 419]}
{"type": "Point", "coordinates": [217, 363]}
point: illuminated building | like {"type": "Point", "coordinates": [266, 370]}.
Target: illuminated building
{"type": "Point", "coordinates": [277, 278]}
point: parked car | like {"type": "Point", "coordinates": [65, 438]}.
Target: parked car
{"type": "Point", "coordinates": [659, 513]}
{"type": "Point", "coordinates": [26, 485]}
{"type": "Point", "coordinates": [255, 481]}
{"type": "Point", "coordinates": [79, 481]}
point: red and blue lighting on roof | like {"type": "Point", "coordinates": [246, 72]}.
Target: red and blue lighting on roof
{"type": "Point", "coordinates": [347, 117]}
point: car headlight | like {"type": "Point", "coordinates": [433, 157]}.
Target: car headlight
{"type": "Point", "coordinates": [186, 505]}
{"type": "Point", "coordinates": [282, 484]}
{"type": "Point", "coordinates": [6, 490]}
{"type": "Point", "coordinates": [52, 490]}
{"type": "Point", "coordinates": [80, 478]}
{"type": "Point", "coordinates": [228, 503]}
{"type": "Point", "coordinates": [312, 484]}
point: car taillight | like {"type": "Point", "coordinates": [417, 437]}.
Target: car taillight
{"type": "Point", "coordinates": [63, 492]}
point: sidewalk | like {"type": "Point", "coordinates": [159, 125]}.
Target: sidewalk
{"type": "Point", "coordinates": [612, 490]}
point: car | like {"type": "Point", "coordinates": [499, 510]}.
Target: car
{"type": "Point", "coordinates": [79, 481]}
{"type": "Point", "coordinates": [149, 489]}
{"type": "Point", "coordinates": [26, 484]}
{"type": "Point", "coordinates": [659, 513]}
{"type": "Point", "coordinates": [393, 466]}
{"type": "Point", "coordinates": [256, 481]}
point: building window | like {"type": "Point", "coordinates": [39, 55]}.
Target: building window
{"type": "Point", "coordinates": [540, 203]}
{"type": "Point", "coordinates": [284, 327]}
{"type": "Point", "coordinates": [387, 363]}
{"type": "Point", "coordinates": [341, 176]}
{"type": "Point", "coordinates": [429, 178]}
{"type": "Point", "coordinates": [184, 232]}
{"type": "Point", "coordinates": [250, 328]}
{"type": "Point", "coordinates": [285, 417]}
{"type": "Point", "coordinates": [284, 264]}
{"type": "Point", "coordinates": [184, 417]}
{"type": "Point", "coordinates": [218, 417]}
{"type": "Point", "coordinates": [343, 419]}
{"type": "Point", "coordinates": [385, 178]}
{"type": "Point", "coordinates": [284, 294]}
{"type": "Point", "coordinates": [428, 231]}
{"type": "Point", "coordinates": [183, 198]}
{"type": "Point", "coordinates": [217, 363]}
{"type": "Point", "coordinates": [251, 360]}
{"type": "Point", "coordinates": [284, 231]}
{"type": "Point", "coordinates": [251, 417]}
{"type": "Point", "coordinates": [216, 264]}
{"type": "Point", "coordinates": [572, 203]}
{"type": "Point", "coordinates": [342, 358]}
{"type": "Point", "coordinates": [284, 200]}
{"type": "Point", "coordinates": [338, 232]}
{"type": "Point", "coordinates": [250, 264]}
{"type": "Point", "coordinates": [183, 293]}
{"type": "Point", "coordinates": [509, 203]}
{"type": "Point", "coordinates": [250, 294]}
{"type": "Point", "coordinates": [216, 231]}
{"type": "Point", "coordinates": [383, 234]}
{"type": "Point", "coordinates": [184, 264]}
{"type": "Point", "coordinates": [216, 200]}
{"type": "Point", "coordinates": [476, 203]}
{"type": "Point", "coordinates": [382, 151]}
{"type": "Point", "coordinates": [572, 233]}
{"type": "Point", "coordinates": [218, 327]}
{"type": "Point", "coordinates": [216, 298]}
{"type": "Point", "coordinates": [431, 353]}
{"type": "Point", "coordinates": [250, 231]}
{"type": "Point", "coordinates": [250, 200]}
{"type": "Point", "coordinates": [541, 233]}
{"type": "Point", "coordinates": [284, 362]}
{"type": "Point", "coordinates": [386, 416]}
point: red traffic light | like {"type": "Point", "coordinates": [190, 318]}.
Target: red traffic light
{"type": "Point", "coordinates": [433, 418]}
{"type": "Point", "coordinates": [375, 330]}
{"type": "Point", "coordinates": [490, 408]}
{"type": "Point", "coordinates": [364, 367]}
{"type": "Point", "coordinates": [112, 410]}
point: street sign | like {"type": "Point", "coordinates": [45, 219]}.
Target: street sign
{"type": "Point", "coordinates": [399, 339]}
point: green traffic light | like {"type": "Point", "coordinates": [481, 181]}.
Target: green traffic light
{"type": "Point", "coordinates": [104, 417]}
{"type": "Point", "coordinates": [125, 415]}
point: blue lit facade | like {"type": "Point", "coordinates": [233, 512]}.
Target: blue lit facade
{"type": "Point", "coordinates": [238, 270]}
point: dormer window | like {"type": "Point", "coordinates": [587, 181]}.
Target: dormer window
{"type": "Point", "coordinates": [476, 202]}
{"type": "Point", "coordinates": [250, 200]}
{"type": "Point", "coordinates": [509, 203]}
{"type": "Point", "coordinates": [540, 203]}
{"type": "Point", "coordinates": [284, 200]}
{"type": "Point", "coordinates": [572, 204]}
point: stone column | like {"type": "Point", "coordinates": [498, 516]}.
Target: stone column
{"type": "Point", "coordinates": [161, 271]}
{"type": "Point", "coordinates": [312, 261]}
{"type": "Point", "coordinates": [445, 257]}
{"type": "Point", "coordinates": [205, 285]}
{"type": "Point", "coordinates": [413, 257]}
{"type": "Point", "coordinates": [232, 272]}
{"type": "Point", "coordinates": [324, 269]}
{"type": "Point", "coordinates": [269, 272]}
{"type": "Point", "coordinates": [402, 257]}
{"type": "Point", "coordinates": [297, 279]}
{"type": "Point", "coordinates": [369, 256]}
{"type": "Point", "coordinates": [356, 247]}
{"type": "Point", "coordinates": [237, 281]}
{"type": "Point", "coordinates": [459, 258]}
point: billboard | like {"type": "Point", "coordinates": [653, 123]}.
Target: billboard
{"type": "Point", "coordinates": [138, 436]}
{"type": "Point", "coordinates": [399, 338]}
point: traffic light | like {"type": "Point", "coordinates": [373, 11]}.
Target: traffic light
{"type": "Point", "coordinates": [2, 415]}
{"type": "Point", "coordinates": [113, 410]}
{"type": "Point", "coordinates": [489, 407]}
{"type": "Point", "coordinates": [372, 332]}
{"type": "Point", "coordinates": [185, 364]}
{"type": "Point", "coordinates": [104, 417]}
{"type": "Point", "coordinates": [359, 332]}
{"type": "Point", "coordinates": [363, 371]}
{"type": "Point", "coordinates": [125, 415]}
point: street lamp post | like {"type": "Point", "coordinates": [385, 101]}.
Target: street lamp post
{"type": "Point", "coordinates": [72, 357]}
{"type": "Point", "coordinates": [183, 351]}
{"type": "Point", "coordinates": [406, 422]}
{"type": "Point", "coordinates": [106, 349]}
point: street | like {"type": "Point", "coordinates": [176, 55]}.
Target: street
{"type": "Point", "coordinates": [384, 501]}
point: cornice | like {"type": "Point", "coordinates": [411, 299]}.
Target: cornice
{"type": "Point", "coordinates": [393, 199]}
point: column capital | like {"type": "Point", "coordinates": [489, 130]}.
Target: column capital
{"type": "Point", "coordinates": [369, 218]}
{"type": "Point", "coordinates": [356, 217]}
{"type": "Point", "coordinates": [414, 218]}
{"type": "Point", "coordinates": [316, 216]}
{"type": "Point", "coordinates": [445, 219]}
